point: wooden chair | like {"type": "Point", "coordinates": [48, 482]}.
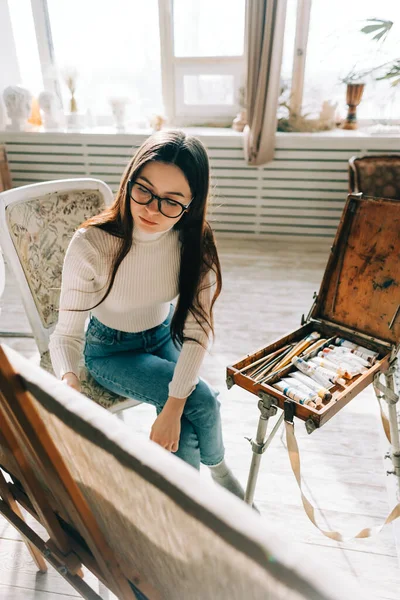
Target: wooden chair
{"type": "Point", "coordinates": [376, 176]}
{"type": "Point", "coordinates": [144, 522]}
{"type": "Point", "coordinates": [36, 224]}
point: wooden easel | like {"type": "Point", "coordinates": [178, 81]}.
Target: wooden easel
{"type": "Point", "coordinates": [50, 494]}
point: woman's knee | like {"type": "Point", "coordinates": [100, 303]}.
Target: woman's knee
{"type": "Point", "coordinates": [203, 401]}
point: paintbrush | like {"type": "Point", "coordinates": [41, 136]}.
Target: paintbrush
{"type": "Point", "coordinates": [273, 375]}
{"type": "Point", "coordinates": [259, 363]}
{"type": "Point", "coordinates": [298, 348]}
{"type": "Point", "coordinates": [272, 361]}
{"type": "Point", "coordinates": [267, 368]}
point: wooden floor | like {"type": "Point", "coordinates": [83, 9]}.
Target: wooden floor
{"type": "Point", "coordinates": [267, 286]}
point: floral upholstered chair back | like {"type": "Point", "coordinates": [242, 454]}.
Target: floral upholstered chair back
{"type": "Point", "coordinates": [376, 176]}
{"type": "Point", "coordinates": [41, 229]}
{"type": "Point", "coordinates": [40, 221]}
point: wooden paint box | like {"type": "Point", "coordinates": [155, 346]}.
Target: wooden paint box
{"type": "Point", "coordinates": [359, 300]}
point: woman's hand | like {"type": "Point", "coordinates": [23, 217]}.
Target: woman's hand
{"type": "Point", "coordinates": [167, 427]}
{"type": "Point", "coordinates": [72, 380]}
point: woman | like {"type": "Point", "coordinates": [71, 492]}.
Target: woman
{"type": "Point", "coordinates": [124, 267]}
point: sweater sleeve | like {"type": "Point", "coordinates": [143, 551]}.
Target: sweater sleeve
{"type": "Point", "coordinates": [186, 372]}
{"type": "Point", "coordinates": [77, 296]}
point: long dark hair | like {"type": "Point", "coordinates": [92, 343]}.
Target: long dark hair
{"type": "Point", "coordinates": [198, 249]}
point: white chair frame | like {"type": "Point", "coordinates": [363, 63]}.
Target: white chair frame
{"type": "Point", "coordinates": [28, 192]}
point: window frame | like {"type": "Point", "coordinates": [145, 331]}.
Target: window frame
{"type": "Point", "coordinates": [303, 18]}
{"type": "Point", "coordinates": [173, 70]}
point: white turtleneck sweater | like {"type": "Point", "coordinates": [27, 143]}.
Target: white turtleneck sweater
{"type": "Point", "coordinates": [145, 284]}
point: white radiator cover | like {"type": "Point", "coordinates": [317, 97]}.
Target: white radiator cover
{"type": "Point", "coordinates": [301, 193]}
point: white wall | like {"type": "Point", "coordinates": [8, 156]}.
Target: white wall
{"type": "Point", "coordinates": [9, 68]}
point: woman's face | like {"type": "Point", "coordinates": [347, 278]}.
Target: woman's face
{"type": "Point", "coordinates": [166, 181]}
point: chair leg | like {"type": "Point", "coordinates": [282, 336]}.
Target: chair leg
{"type": "Point", "coordinates": [10, 500]}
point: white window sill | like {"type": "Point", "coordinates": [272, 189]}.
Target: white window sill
{"type": "Point", "coordinates": [204, 132]}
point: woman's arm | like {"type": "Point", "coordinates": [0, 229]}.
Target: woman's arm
{"type": "Point", "coordinates": [187, 368]}
{"type": "Point", "coordinates": [166, 428]}
{"type": "Point", "coordinates": [72, 380]}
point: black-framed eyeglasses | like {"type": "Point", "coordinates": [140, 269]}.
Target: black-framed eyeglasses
{"type": "Point", "coordinates": [167, 207]}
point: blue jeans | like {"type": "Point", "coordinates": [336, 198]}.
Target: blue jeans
{"type": "Point", "coordinates": [140, 366]}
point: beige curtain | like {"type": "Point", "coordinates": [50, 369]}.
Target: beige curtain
{"type": "Point", "coordinates": [265, 33]}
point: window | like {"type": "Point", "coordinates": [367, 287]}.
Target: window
{"type": "Point", "coordinates": [185, 58]}
{"type": "Point", "coordinates": [113, 50]}
{"type": "Point", "coordinates": [206, 60]}
{"type": "Point", "coordinates": [335, 47]}
{"type": "Point", "coordinates": [114, 47]}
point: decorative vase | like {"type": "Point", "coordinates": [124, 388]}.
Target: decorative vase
{"type": "Point", "coordinates": [118, 108]}
{"type": "Point", "coordinates": [73, 107]}
{"type": "Point", "coordinates": [35, 119]}
{"type": "Point", "coordinates": [354, 94]}
{"type": "Point", "coordinates": [157, 122]}
{"type": "Point", "coordinates": [51, 111]}
{"type": "Point", "coordinates": [240, 121]}
{"type": "Point", "coordinates": [18, 101]}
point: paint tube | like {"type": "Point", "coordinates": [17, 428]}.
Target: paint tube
{"type": "Point", "coordinates": [293, 393]}
{"type": "Point", "coordinates": [340, 369]}
{"type": "Point", "coordinates": [311, 371]}
{"type": "Point", "coordinates": [313, 385]}
{"type": "Point", "coordinates": [361, 351]}
{"type": "Point", "coordinates": [302, 388]}
{"type": "Point", "coordinates": [324, 376]}
{"type": "Point", "coordinates": [339, 354]}
{"type": "Point", "coordinates": [352, 367]}
{"type": "Point", "coordinates": [334, 375]}
{"type": "Point", "coordinates": [347, 355]}
{"type": "Point", "coordinates": [348, 362]}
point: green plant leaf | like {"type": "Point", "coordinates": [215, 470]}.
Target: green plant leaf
{"type": "Point", "coordinates": [394, 71]}
{"type": "Point", "coordinates": [380, 35]}
{"type": "Point", "coordinates": [371, 28]}
{"type": "Point", "coordinates": [380, 26]}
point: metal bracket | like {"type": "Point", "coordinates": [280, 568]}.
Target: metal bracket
{"type": "Point", "coordinates": [305, 320]}
{"type": "Point", "coordinates": [256, 447]}
{"type": "Point", "coordinates": [388, 395]}
{"type": "Point", "coordinates": [266, 405]}
{"type": "Point", "coordinates": [267, 408]}
{"type": "Point", "coordinates": [393, 366]}
{"type": "Point", "coordinates": [229, 382]}
{"type": "Point", "coordinates": [310, 426]}
{"type": "Point", "coordinates": [396, 460]}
